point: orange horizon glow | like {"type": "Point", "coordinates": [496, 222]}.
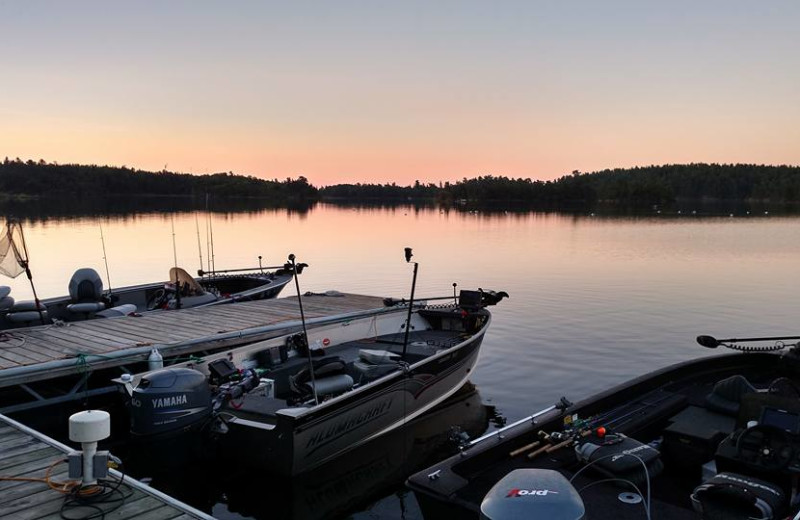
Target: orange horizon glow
{"type": "Point", "coordinates": [384, 94]}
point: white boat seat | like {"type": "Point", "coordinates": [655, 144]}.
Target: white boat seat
{"type": "Point", "coordinates": [4, 291]}
{"type": "Point", "coordinates": [118, 311]}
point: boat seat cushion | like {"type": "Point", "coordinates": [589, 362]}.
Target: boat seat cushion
{"type": "Point", "coordinates": [372, 371]}
{"type": "Point", "coordinates": [27, 316]}
{"type": "Point", "coordinates": [331, 385]}
{"type": "Point", "coordinates": [87, 307]}
{"type": "Point", "coordinates": [377, 357]}
{"type": "Point", "coordinates": [118, 311]}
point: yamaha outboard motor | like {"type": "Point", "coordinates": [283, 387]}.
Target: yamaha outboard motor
{"type": "Point", "coordinates": [170, 400]}
{"type": "Point", "coordinates": [533, 493]}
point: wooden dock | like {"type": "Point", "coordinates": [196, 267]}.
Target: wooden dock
{"type": "Point", "coordinates": [34, 357]}
{"type": "Point", "coordinates": [26, 453]}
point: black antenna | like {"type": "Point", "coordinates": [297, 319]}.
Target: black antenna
{"type": "Point", "coordinates": [260, 268]}
{"type": "Point", "coordinates": [409, 254]}
{"type": "Point", "coordinates": [455, 298]}
{"type": "Point", "coordinates": [294, 267]}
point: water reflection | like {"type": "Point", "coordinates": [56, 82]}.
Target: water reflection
{"type": "Point", "coordinates": [121, 207]}
{"type": "Point", "coordinates": [344, 485]}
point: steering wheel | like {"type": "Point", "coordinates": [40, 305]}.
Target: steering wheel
{"type": "Point", "coordinates": [156, 299]}
{"type": "Point", "coordinates": [765, 447]}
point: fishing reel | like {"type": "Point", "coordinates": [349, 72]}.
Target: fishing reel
{"type": "Point", "coordinates": [778, 343]}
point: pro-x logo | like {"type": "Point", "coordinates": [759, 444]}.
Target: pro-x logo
{"type": "Point", "coordinates": [530, 492]}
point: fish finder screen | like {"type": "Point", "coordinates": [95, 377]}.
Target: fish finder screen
{"type": "Point", "coordinates": [781, 419]}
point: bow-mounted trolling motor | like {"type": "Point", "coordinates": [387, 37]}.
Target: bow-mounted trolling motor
{"type": "Point", "coordinates": [778, 343]}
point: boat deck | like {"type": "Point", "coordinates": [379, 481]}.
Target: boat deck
{"type": "Point", "coordinates": [44, 352]}
{"type": "Point", "coordinates": [25, 453]}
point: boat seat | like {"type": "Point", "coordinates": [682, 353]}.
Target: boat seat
{"type": "Point", "coordinates": [25, 312]}
{"type": "Point", "coordinates": [6, 303]}
{"type": "Point", "coordinates": [377, 357]}
{"type": "Point", "coordinates": [368, 371]}
{"type": "Point", "coordinates": [328, 374]}
{"type": "Point", "coordinates": [86, 292]}
{"type": "Point", "coordinates": [118, 311]}
{"type": "Point", "coordinates": [331, 385]}
{"type": "Point", "coordinates": [734, 496]}
{"type": "Point", "coordinates": [372, 364]}
{"type": "Point", "coordinates": [726, 397]}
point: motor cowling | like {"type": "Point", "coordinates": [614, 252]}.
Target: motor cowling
{"type": "Point", "coordinates": [169, 400]}
{"type": "Point", "coordinates": [533, 493]}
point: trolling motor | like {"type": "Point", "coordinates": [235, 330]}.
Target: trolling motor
{"type": "Point", "coordinates": [732, 343]}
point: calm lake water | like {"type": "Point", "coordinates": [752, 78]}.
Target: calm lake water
{"type": "Point", "coordinates": [594, 300]}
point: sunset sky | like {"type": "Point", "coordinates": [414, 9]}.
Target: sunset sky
{"type": "Point", "coordinates": [392, 92]}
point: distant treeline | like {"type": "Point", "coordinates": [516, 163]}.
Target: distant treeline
{"type": "Point", "coordinates": [20, 178]}
{"type": "Point", "coordinates": [641, 185]}
{"type": "Point", "coordinates": [633, 186]}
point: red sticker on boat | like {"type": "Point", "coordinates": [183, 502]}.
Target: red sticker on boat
{"type": "Point", "coordinates": [326, 342]}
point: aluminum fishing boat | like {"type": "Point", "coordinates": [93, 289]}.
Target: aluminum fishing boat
{"type": "Point", "coordinates": [87, 298]}
{"type": "Point", "coordinates": [715, 438]}
{"type": "Point", "coordinates": [294, 402]}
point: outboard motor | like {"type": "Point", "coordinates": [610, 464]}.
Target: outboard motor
{"type": "Point", "coordinates": [170, 401]}
{"type": "Point", "coordinates": [533, 493]}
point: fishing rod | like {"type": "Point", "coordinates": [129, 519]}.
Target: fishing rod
{"type": "Point", "coordinates": [105, 260]}
{"type": "Point", "coordinates": [213, 258]}
{"type": "Point", "coordinates": [395, 301]}
{"type": "Point", "coordinates": [201, 272]}
{"type": "Point", "coordinates": [208, 239]}
{"type": "Point", "coordinates": [174, 249]}
{"type": "Point", "coordinates": [199, 247]}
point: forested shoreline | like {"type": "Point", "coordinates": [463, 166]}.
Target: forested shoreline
{"type": "Point", "coordinates": [633, 186]}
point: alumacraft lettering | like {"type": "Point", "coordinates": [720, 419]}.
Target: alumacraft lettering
{"type": "Point", "coordinates": [163, 402]}
{"type": "Point", "coordinates": [530, 492]}
{"type": "Point", "coordinates": [332, 432]}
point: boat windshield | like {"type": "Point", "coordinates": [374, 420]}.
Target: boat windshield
{"type": "Point", "coordinates": [189, 284]}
